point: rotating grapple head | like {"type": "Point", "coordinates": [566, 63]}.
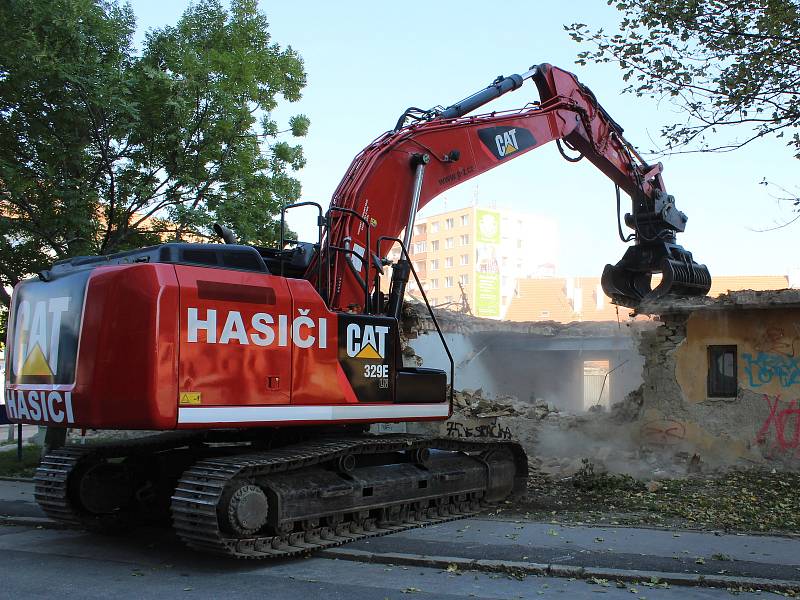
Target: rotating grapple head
{"type": "Point", "coordinates": [629, 281]}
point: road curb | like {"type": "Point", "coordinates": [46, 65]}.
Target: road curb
{"type": "Point", "coordinates": [556, 570]}
{"type": "Point", "coordinates": [17, 479]}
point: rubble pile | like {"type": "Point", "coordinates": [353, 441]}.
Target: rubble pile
{"type": "Point", "coordinates": [472, 403]}
{"type": "Point", "coordinates": [558, 442]}
{"type": "Point", "coordinates": [475, 404]}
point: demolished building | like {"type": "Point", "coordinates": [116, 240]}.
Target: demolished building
{"type": "Point", "coordinates": [705, 384]}
{"type": "Point", "coordinates": [722, 377]}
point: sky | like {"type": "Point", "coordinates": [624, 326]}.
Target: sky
{"type": "Point", "coordinates": [367, 61]}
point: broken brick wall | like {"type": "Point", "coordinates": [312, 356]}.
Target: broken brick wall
{"type": "Point", "coordinates": [759, 423]}
{"type": "Point", "coordinates": [506, 389]}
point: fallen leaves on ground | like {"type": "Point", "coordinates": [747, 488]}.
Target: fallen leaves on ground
{"type": "Point", "coordinates": [740, 500]}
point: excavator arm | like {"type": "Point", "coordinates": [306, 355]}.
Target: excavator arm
{"type": "Point", "coordinates": [432, 151]}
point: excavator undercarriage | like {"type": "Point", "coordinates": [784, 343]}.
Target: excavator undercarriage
{"type": "Point", "coordinates": [242, 502]}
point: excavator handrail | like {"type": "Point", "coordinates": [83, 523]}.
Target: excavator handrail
{"type": "Point", "coordinates": [406, 257]}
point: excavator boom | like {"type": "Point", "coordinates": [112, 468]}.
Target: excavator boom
{"type": "Point", "coordinates": [432, 151]}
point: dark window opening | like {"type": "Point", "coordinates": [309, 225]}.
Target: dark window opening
{"type": "Point", "coordinates": [722, 375]}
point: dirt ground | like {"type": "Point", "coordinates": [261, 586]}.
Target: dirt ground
{"type": "Point", "coordinates": [736, 501]}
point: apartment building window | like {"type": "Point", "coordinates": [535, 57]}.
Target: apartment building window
{"type": "Point", "coordinates": [435, 227]}
{"type": "Point", "coordinates": [448, 299]}
{"type": "Point", "coordinates": [419, 266]}
{"type": "Point", "coordinates": [448, 282]}
{"type": "Point", "coordinates": [419, 229]}
{"type": "Point", "coordinates": [448, 243]}
{"type": "Point", "coordinates": [464, 279]}
{"type": "Point", "coordinates": [435, 246]}
{"type": "Point", "coordinates": [465, 240]}
{"type": "Point", "coordinates": [464, 220]}
{"type": "Point", "coordinates": [722, 376]}
{"type": "Point", "coordinates": [434, 264]}
{"type": "Point", "coordinates": [448, 262]}
{"type": "Point", "coordinates": [419, 247]}
{"type": "Point", "coordinates": [464, 259]}
{"type": "Point", "coordinates": [434, 301]}
{"type": "Point", "coordinates": [434, 284]}
{"type": "Point", "coordinates": [449, 223]}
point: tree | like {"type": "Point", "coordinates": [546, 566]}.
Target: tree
{"type": "Point", "coordinates": [725, 63]}
{"type": "Point", "coordinates": [103, 149]}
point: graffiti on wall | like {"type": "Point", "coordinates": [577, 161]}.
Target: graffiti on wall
{"type": "Point", "coordinates": [775, 340]}
{"type": "Point", "coordinates": [490, 430]}
{"type": "Point", "coordinates": [782, 425]}
{"type": "Point", "coordinates": [767, 367]}
{"type": "Point", "coordinates": [663, 432]}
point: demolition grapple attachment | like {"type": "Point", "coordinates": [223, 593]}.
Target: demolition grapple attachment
{"type": "Point", "coordinates": [655, 222]}
{"type": "Point", "coordinates": [629, 281]}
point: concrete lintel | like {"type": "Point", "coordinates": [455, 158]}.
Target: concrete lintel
{"type": "Point", "coordinates": [536, 344]}
{"type": "Point", "coordinates": [733, 300]}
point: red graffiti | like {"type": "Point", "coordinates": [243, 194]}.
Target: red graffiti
{"type": "Point", "coordinates": [778, 420]}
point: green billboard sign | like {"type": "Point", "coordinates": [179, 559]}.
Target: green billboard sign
{"type": "Point", "coordinates": [487, 294]}
{"type": "Point", "coordinates": [487, 226]}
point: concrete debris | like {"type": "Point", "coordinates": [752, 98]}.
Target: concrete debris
{"type": "Point", "coordinates": [559, 443]}
{"type": "Point", "coordinates": [417, 321]}
{"type": "Point", "coordinates": [473, 403]}
{"type": "Point", "coordinates": [749, 299]}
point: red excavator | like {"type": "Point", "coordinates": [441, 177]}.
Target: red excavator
{"type": "Point", "coordinates": [259, 370]}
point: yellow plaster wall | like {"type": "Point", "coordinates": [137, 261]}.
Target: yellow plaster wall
{"type": "Point", "coordinates": [766, 337]}
{"type": "Point", "coordinates": [659, 430]}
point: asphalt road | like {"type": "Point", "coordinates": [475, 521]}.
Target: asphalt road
{"type": "Point", "coordinates": [42, 563]}
{"type": "Point", "coordinates": [469, 558]}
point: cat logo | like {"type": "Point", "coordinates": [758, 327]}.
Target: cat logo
{"type": "Point", "coordinates": [36, 337]}
{"type": "Point", "coordinates": [505, 141]}
{"type": "Point", "coordinates": [367, 342]}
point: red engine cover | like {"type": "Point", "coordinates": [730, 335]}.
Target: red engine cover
{"type": "Point", "coordinates": [165, 346]}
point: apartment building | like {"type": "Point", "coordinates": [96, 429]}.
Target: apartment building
{"type": "Point", "coordinates": [471, 257]}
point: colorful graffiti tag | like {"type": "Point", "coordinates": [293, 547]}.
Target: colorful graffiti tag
{"type": "Point", "coordinates": [781, 421]}
{"type": "Point", "coordinates": [766, 367]}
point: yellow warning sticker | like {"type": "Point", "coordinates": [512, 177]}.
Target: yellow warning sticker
{"type": "Point", "coordinates": [190, 398]}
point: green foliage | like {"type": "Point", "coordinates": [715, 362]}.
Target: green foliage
{"type": "Point", "coordinates": [723, 62]}
{"type": "Point", "coordinates": [102, 149]}
{"type": "Point", "coordinates": [11, 467]}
